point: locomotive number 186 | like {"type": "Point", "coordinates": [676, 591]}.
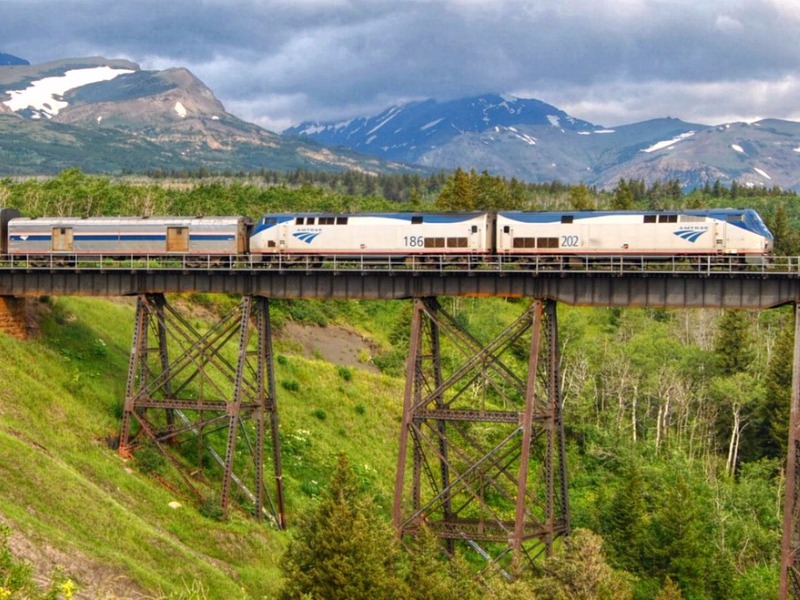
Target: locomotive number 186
{"type": "Point", "coordinates": [414, 241]}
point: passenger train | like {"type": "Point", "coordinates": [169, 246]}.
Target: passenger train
{"type": "Point", "coordinates": [586, 234]}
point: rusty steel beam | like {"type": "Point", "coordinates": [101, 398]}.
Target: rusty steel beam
{"type": "Point", "coordinates": [463, 480]}
{"type": "Point", "coordinates": [790, 546]}
{"type": "Point", "coordinates": [185, 375]}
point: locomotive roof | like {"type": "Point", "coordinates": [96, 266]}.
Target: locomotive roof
{"type": "Point", "coordinates": [158, 220]}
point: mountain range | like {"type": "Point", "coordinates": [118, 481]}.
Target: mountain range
{"type": "Point", "coordinates": [534, 141]}
{"type": "Point", "coordinates": [111, 116]}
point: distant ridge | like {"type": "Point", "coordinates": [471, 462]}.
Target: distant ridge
{"type": "Point", "coordinates": [10, 59]}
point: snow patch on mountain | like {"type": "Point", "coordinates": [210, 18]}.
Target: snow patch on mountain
{"type": "Point", "coordinates": [45, 97]}
{"type": "Point", "coordinates": [668, 143]}
{"type": "Point", "coordinates": [738, 148]}
{"type": "Point", "coordinates": [181, 110]}
{"type": "Point", "coordinates": [431, 124]}
{"type": "Point", "coordinates": [762, 172]}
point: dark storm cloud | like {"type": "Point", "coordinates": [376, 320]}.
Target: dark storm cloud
{"type": "Point", "coordinates": [278, 62]}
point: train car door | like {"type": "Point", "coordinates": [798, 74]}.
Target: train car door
{"type": "Point", "coordinates": [719, 236]}
{"type": "Point", "coordinates": [62, 239]}
{"type": "Point", "coordinates": [177, 239]}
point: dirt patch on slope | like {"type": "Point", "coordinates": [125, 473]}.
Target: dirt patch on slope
{"type": "Point", "coordinates": [334, 344]}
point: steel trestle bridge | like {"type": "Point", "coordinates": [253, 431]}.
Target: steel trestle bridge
{"type": "Point", "coordinates": [503, 494]}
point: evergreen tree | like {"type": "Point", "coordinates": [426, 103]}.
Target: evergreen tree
{"type": "Point", "coordinates": [579, 197]}
{"type": "Point", "coordinates": [623, 197]}
{"type": "Point", "coordinates": [458, 192]}
{"type": "Point", "coordinates": [580, 572]}
{"type": "Point", "coordinates": [733, 345]}
{"type": "Point", "coordinates": [625, 519]}
{"type": "Point", "coordinates": [342, 550]}
{"type": "Point", "coordinates": [430, 575]}
{"type": "Point", "coordinates": [778, 392]}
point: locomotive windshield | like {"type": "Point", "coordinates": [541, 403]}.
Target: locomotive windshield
{"type": "Point", "coordinates": [754, 223]}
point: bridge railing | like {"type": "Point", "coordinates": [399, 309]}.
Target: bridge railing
{"type": "Point", "coordinates": [445, 263]}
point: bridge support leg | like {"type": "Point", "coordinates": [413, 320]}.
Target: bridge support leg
{"type": "Point", "coordinates": [184, 393]}
{"type": "Point", "coordinates": [790, 548]}
{"type": "Point", "coordinates": [487, 447]}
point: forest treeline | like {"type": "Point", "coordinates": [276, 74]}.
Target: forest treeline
{"type": "Point", "coordinates": [676, 421]}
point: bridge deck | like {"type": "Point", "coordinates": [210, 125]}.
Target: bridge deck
{"type": "Point", "coordinates": [605, 281]}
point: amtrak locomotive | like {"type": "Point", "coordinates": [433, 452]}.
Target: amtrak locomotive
{"type": "Point", "coordinates": [585, 234]}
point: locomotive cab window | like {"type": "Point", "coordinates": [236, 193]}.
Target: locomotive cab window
{"type": "Point", "coordinates": [270, 221]}
{"type": "Point", "coordinates": [177, 239]}
{"type": "Point", "coordinates": [734, 218]}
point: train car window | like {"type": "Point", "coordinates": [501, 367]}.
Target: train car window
{"type": "Point", "coordinates": [506, 229]}
{"type": "Point", "coordinates": [416, 220]}
{"type": "Point", "coordinates": [310, 220]}
{"type": "Point", "coordinates": [667, 218]}
{"type": "Point", "coordinates": [299, 221]}
{"type": "Point", "coordinates": [734, 218]}
{"type": "Point", "coordinates": [271, 244]}
{"type": "Point", "coordinates": [691, 219]}
{"type": "Point", "coordinates": [549, 242]}
{"type": "Point", "coordinates": [456, 242]}
{"type": "Point", "coordinates": [341, 220]}
{"type": "Point", "coordinates": [327, 221]}
{"type": "Point", "coordinates": [474, 229]}
{"type": "Point", "coordinates": [270, 221]}
{"type": "Point", "coordinates": [649, 218]}
{"type": "Point", "coordinates": [566, 218]}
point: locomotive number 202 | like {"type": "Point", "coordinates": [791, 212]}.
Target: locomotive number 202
{"type": "Point", "coordinates": [569, 241]}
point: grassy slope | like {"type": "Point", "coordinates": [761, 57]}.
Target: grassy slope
{"type": "Point", "coordinates": [109, 525]}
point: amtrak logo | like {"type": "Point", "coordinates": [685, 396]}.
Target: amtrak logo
{"type": "Point", "coordinates": [690, 235]}
{"type": "Point", "coordinates": [306, 236]}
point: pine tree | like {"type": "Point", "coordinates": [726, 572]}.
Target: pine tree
{"type": "Point", "coordinates": [579, 197]}
{"type": "Point", "coordinates": [623, 197]}
{"type": "Point", "coordinates": [733, 346]}
{"type": "Point", "coordinates": [778, 392]}
{"type": "Point", "coordinates": [342, 550]}
{"type": "Point", "coordinates": [430, 575]}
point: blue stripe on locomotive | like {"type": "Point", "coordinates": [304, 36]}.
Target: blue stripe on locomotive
{"type": "Point", "coordinates": [750, 220]}
{"type": "Point", "coordinates": [272, 220]}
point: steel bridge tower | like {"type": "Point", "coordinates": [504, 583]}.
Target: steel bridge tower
{"type": "Point", "coordinates": [485, 440]}
{"type": "Point", "coordinates": [190, 397]}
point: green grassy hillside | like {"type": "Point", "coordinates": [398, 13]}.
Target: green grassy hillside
{"type": "Point", "coordinates": [647, 407]}
{"type": "Point", "coordinates": [71, 501]}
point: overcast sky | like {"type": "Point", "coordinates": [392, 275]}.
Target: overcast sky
{"type": "Point", "coordinates": [280, 62]}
